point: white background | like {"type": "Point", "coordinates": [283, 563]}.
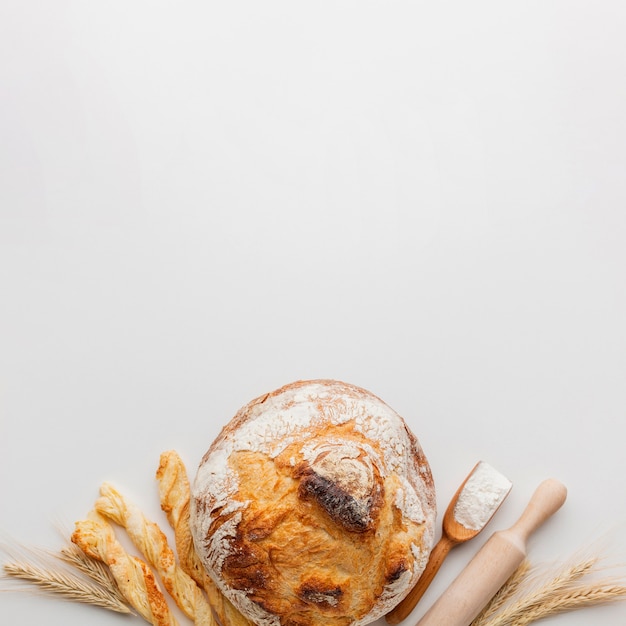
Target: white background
{"type": "Point", "coordinates": [203, 201]}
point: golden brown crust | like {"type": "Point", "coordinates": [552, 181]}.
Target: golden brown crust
{"type": "Point", "coordinates": [314, 504]}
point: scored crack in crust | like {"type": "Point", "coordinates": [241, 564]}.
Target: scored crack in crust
{"type": "Point", "coordinates": [314, 505]}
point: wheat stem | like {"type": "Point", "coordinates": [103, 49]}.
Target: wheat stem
{"type": "Point", "coordinates": [96, 570]}
{"type": "Point", "coordinates": [543, 594]}
{"type": "Point", "coordinates": [562, 592]}
{"type": "Point", "coordinates": [584, 596]}
{"type": "Point", "coordinates": [65, 585]}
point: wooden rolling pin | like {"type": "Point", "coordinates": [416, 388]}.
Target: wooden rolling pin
{"type": "Point", "coordinates": [495, 562]}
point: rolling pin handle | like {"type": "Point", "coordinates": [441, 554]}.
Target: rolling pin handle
{"type": "Point", "coordinates": [547, 499]}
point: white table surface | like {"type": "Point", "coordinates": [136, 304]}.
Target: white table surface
{"type": "Point", "coordinates": [202, 201]}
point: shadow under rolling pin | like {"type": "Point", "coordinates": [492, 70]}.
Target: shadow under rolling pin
{"type": "Point", "coordinates": [472, 506]}
{"type": "Point", "coordinates": [494, 562]}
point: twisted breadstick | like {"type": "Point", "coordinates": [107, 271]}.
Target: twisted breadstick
{"type": "Point", "coordinates": [96, 538]}
{"type": "Point", "coordinates": [175, 494]}
{"type": "Point", "coordinates": [152, 543]}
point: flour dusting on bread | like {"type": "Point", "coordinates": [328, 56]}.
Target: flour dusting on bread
{"type": "Point", "coordinates": [314, 505]}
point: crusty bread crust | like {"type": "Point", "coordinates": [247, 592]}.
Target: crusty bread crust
{"type": "Point", "coordinates": [315, 505]}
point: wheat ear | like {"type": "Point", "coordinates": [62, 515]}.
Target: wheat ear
{"type": "Point", "coordinates": [576, 598]}
{"type": "Point", "coordinates": [52, 579]}
{"type": "Point", "coordinates": [563, 591]}
{"type": "Point", "coordinates": [94, 569]}
{"type": "Point", "coordinates": [538, 597]}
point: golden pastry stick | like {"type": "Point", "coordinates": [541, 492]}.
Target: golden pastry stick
{"type": "Point", "coordinates": [152, 543]}
{"type": "Point", "coordinates": [95, 537]}
{"type": "Point", "coordinates": [175, 493]}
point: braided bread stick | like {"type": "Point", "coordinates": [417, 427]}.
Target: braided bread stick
{"type": "Point", "coordinates": [152, 543]}
{"type": "Point", "coordinates": [175, 493]}
{"type": "Point", "coordinates": [95, 537]}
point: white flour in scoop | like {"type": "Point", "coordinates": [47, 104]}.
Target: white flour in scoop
{"type": "Point", "coordinates": [482, 494]}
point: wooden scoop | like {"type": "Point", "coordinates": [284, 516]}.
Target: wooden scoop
{"type": "Point", "coordinates": [473, 505]}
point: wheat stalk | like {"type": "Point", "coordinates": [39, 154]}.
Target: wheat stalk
{"type": "Point", "coordinates": [544, 593]}
{"type": "Point", "coordinates": [64, 584]}
{"type": "Point", "coordinates": [562, 592]}
{"type": "Point", "coordinates": [96, 570]}
{"type": "Point", "coordinates": [577, 598]}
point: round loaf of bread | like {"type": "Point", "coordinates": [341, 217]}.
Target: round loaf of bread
{"type": "Point", "coordinates": [315, 505]}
